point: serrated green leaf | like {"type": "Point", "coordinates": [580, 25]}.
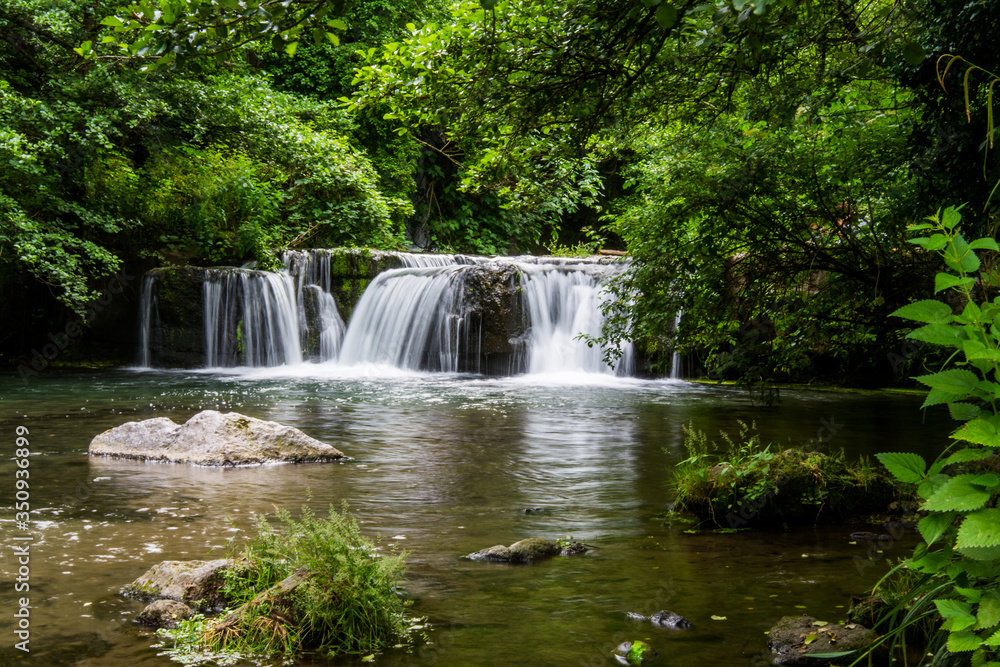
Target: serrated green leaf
{"type": "Point", "coordinates": [994, 639]}
{"type": "Point", "coordinates": [953, 380]}
{"type": "Point", "coordinates": [988, 480]}
{"type": "Point", "coordinates": [980, 529]}
{"type": "Point", "coordinates": [929, 311]}
{"type": "Point", "coordinates": [957, 494]}
{"type": "Point", "coordinates": [960, 642]}
{"type": "Point", "coordinates": [988, 611]}
{"type": "Point", "coordinates": [953, 608]}
{"type": "Point", "coordinates": [939, 396]}
{"type": "Point", "coordinates": [985, 243]}
{"type": "Point", "coordinates": [931, 563]}
{"type": "Point", "coordinates": [943, 281]}
{"type": "Point", "coordinates": [933, 526]}
{"type": "Point", "coordinates": [937, 334]}
{"type": "Point", "coordinates": [978, 431]}
{"type": "Point", "coordinates": [981, 553]}
{"type": "Point", "coordinates": [904, 466]}
{"type": "Point", "coordinates": [963, 411]}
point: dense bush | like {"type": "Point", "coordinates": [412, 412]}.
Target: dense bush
{"type": "Point", "coordinates": [311, 584]}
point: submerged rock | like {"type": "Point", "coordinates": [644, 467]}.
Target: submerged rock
{"type": "Point", "coordinates": [164, 614]}
{"type": "Point", "coordinates": [212, 438]}
{"type": "Point", "coordinates": [663, 619]}
{"type": "Point", "coordinates": [195, 582]}
{"type": "Point", "coordinates": [527, 551]}
{"type": "Point", "coordinates": [794, 638]}
{"type": "Point", "coordinates": [634, 653]}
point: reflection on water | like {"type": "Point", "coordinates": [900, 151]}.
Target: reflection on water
{"type": "Point", "coordinates": [444, 465]}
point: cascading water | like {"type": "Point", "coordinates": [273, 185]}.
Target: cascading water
{"type": "Point", "coordinates": [448, 313]}
{"type": "Point", "coordinates": [254, 309]}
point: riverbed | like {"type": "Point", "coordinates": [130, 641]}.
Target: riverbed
{"type": "Point", "coordinates": [444, 464]}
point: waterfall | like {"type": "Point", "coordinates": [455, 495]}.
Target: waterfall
{"type": "Point", "coordinates": [148, 320]}
{"type": "Point", "coordinates": [565, 303]}
{"type": "Point", "coordinates": [441, 313]}
{"type": "Point", "coordinates": [675, 359]}
{"type": "Point", "coordinates": [251, 319]}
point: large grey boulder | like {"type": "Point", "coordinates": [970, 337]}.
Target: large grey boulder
{"type": "Point", "coordinates": [794, 638]}
{"type": "Point", "coordinates": [197, 583]}
{"type": "Point", "coordinates": [212, 438]}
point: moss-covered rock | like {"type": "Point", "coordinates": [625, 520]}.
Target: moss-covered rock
{"type": "Point", "coordinates": [529, 550]}
{"type": "Point", "coordinates": [795, 638]}
{"type": "Point", "coordinates": [197, 583]}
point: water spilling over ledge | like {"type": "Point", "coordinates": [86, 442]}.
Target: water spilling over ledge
{"type": "Point", "coordinates": [496, 316]}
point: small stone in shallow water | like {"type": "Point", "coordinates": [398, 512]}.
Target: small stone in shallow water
{"type": "Point", "coordinates": [634, 653]}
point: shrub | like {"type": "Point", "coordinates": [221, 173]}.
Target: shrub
{"type": "Point", "coordinates": [311, 584]}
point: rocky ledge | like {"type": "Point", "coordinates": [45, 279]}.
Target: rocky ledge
{"type": "Point", "coordinates": [212, 438]}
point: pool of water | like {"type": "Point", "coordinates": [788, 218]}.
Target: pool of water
{"type": "Point", "coordinates": [443, 465]}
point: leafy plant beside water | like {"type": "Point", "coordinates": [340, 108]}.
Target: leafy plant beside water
{"type": "Point", "coordinates": [749, 483]}
{"type": "Point", "coordinates": [958, 561]}
{"type": "Point", "coordinates": [311, 584]}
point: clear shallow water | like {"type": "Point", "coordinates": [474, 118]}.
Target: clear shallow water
{"type": "Point", "coordinates": [444, 465]}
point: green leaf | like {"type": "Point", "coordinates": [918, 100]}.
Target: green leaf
{"type": "Point", "coordinates": [904, 466]}
{"type": "Point", "coordinates": [963, 411]}
{"type": "Point", "coordinates": [340, 25]}
{"type": "Point", "coordinates": [666, 15]}
{"type": "Point", "coordinates": [988, 612]}
{"type": "Point", "coordinates": [981, 553]}
{"type": "Point", "coordinates": [957, 494]}
{"type": "Point", "coordinates": [978, 431]}
{"type": "Point", "coordinates": [953, 381]}
{"type": "Point", "coordinates": [994, 639]}
{"type": "Point", "coordinates": [980, 529]}
{"type": "Point", "coordinates": [959, 642]}
{"type": "Point", "coordinates": [938, 396]}
{"type": "Point", "coordinates": [929, 311]}
{"type": "Point", "coordinates": [985, 243]}
{"type": "Point", "coordinates": [943, 281]}
{"type": "Point", "coordinates": [914, 54]}
{"type": "Point", "coordinates": [291, 47]}
{"type": "Point", "coordinates": [113, 21]}
{"type": "Point", "coordinates": [937, 334]}
{"type": "Point", "coordinates": [933, 526]}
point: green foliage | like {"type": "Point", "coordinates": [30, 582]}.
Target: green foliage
{"type": "Point", "coordinates": [749, 484]}
{"type": "Point", "coordinates": [959, 558]}
{"type": "Point", "coordinates": [346, 603]}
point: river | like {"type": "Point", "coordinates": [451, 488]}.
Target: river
{"type": "Point", "coordinates": [444, 464]}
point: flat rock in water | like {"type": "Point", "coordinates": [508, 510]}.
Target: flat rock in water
{"type": "Point", "coordinates": [527, 551]}
{"type": "Point", "coordinates": [794, 638]}
{"type": "Point", "coordinates": [663, 619]}
{"type": "Point", "coordinates": [194, 582]}
{"type": "Point", "coordinates": [164, 614]}
{"type": "Point", "coordinates": [212, 438]}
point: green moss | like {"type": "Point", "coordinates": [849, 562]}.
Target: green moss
{"type": "Point", "coordinates": [749, 485]}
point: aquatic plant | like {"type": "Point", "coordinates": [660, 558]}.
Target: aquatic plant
{"type": "Point", "coordinates": [310, 584]}
{"type": "Point", "coordinates": [749, 483]}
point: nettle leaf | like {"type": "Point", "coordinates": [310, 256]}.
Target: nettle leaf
{"type": "Point", "coordinates": [904, 466]}
{"type": "Point", "coordinates": [963, 411]}
{"type": "Point", "coordinates": [937, 334]}
{"type": "Point", "coordinates": [980, 529]}
{"type": "Point", "coordinates": [960, 642]}
{"type": "Point", "coordinates": [929, 311]}
{"type": "Point", "coordinates": [994, 640]}
{"type": "Point", "coordinates": [933, 526]}
{"type": "Point", "coordinates": [953, 380]}
{"type": "Point", "coordinates": [980, 553]}
{"type": "Point", "coordinates": [978, 431]}
{"type": "Point", "coordinates": [939, 396]}
{"type": "Point", "coordinates": [957, 494]}
{"type": "Point", "coordinates": [985, 243]}
{"type": "Point", "coordinates": [956, 614]}
{"type": "Point", "coordinates": [961, 456]}
{"type": "Point", "coordinates": [943, 281]}
{"type": "Point", "coordinates": [988, 612]}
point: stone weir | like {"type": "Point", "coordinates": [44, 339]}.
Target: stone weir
{"type": "Point", "coordinates": [448, 313]}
